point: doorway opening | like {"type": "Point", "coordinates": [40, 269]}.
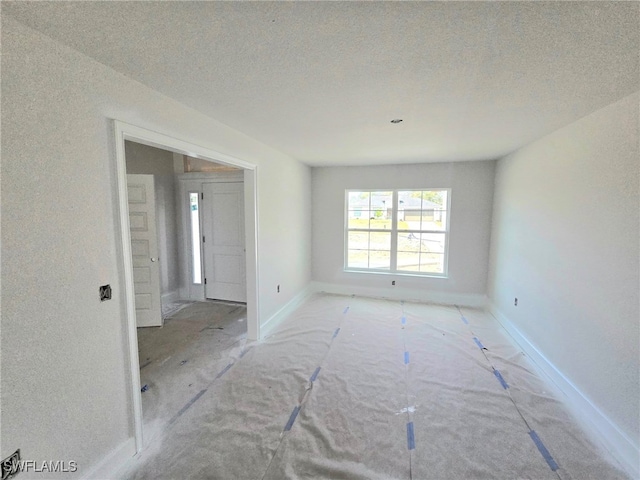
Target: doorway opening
{"type": "Point", "coordinates": [246, 261]}
{"type": "Point", "coordinates": [214, 232]}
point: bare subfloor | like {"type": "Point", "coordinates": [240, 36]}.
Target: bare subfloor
{"type": "Point", "coordinates": [182, 358]}
{"type": "Point", "coordinates": [356, 388]}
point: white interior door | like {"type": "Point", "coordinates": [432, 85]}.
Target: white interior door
{"type": "Point", "coordinates": [224, 253]}
{"type": "Point", "coordinates": [144, 250]}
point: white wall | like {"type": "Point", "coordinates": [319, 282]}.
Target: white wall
{"type": "Point", "coordinates": [159, 163]}
{"type": "Point", "coordinates": [471, 186]}
{"type": "Point", "coordinates": [565, 243]}
{"type": "Point", "coordinates": [65, 391]}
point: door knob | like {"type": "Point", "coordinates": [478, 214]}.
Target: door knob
{"type": "Point", "coordinates": [154, 259]}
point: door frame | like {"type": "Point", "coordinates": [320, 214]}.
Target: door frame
{"type": "Point", "coordinates": [124, 131]}
{"type": "Point", "coordinates": [191, 182]}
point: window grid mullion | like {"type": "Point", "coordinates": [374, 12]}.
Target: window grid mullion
{"type": "Point", "coordinates": [394, 233]}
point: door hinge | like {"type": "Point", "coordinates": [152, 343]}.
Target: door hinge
{"type": "Point", "coordinates": [205, 281]}
{"type": "Point", "coordinates": [202, 195]}
{"type": "Point", "coordinates": [202, 238]}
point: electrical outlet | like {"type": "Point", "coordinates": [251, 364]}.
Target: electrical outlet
{"type": "Point", "coordinates": [278, 288]}
{"type": "Point", "coordinates": [515, 302]}
{"type": "Point", "coordinates": [393, 282]}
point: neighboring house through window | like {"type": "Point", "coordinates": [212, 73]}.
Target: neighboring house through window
{"type": "Point", "coordinates": [397, 231]}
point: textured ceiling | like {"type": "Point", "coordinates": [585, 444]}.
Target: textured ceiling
{"type": "Point", "coordinates": [321, 81]}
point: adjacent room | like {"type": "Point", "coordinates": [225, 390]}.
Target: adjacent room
{"type": "Point", "coordinates": [373, 240]}
{"type": "Point", "coordinates": [189, 294]}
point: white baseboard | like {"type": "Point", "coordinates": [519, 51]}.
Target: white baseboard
{"type": "Point", "coordinates": [170, 297]}
{"type": "Point", "coordinates": [112, 462]}
{"type": "Point", "coordinates": [591, 418]}
{"type": "Point", "coordinates": [472, 300]}
{"type": "Point", "coordinates": [275, 319]}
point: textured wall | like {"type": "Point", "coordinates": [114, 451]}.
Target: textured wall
{"type": "Point", "coordinates": [565, 243]}
{"type": "Point", "coordinates": [471, 186]}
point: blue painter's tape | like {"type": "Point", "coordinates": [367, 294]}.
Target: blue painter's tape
{"type": "Point", "coordinates": [543, 450]}
{"type": "Point", "coordinates": [335, 334]}
{"type": "Point", "coordinates": [292, 419]}
{"type": "Point", "coordinates": [499, 377]}
{"type": "Point", "coordinates": [315, 375]}
{"type": "Point", "coordinates": [466, 322]}
{"type": "Point", "coordinates": [225, 370]}
{"type": "Point", "coordinates": [346, 310]}
{"type": "Point", "coordinates": [186, 407]}
{"type": "Point", "coordinates": [404, 320]}
{"type": "Point", "coordinates": [411, 439]}
{"type": "Point", "coordinates": [480, 346]}
{"type": "Point", "coordinates": [406, 358]}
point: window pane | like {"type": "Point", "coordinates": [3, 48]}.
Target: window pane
{"type": "Point", "coordinates": [426, 219]}
{"type": "Point", "coordinates": [409, 207]}
{"type": "Point", "coordinates": [432, 262]}
{"type": "Point", "coordinates": [358, 259]}
{"type": "Point", "coordinates": [435, 198]}
{"type": "Point", "coordinates": [359, 218]}
{"type": "Point", "coordinates": [411, 219]}
{"type": "Point", "coordinates": [358, 241]}
{"type": "Point", "coordinates": [380, 223]}
{"type": "Point", "coordinates": [359, 200]}
{"type": "Point", "coordinates": [381, 204]}
{"type": "Point", "coordinates": [402, 224]}
{"type": "Point", "coordinates": [422, 210]}
{"type": "Point", "coordinates": [409, 261]}
{"type": "Point", "coordinates": [196, 264]}
{"type": "Point", "coordinates": [434, 219]}
{"type": "Point", "coordinates": [408, 242]}
{"type": "Point", "coordinates": [380, 259]}
{"type": "Point", "coordinates": [432, 242]}
{"type": "Point", "coordinates": [380, 241]}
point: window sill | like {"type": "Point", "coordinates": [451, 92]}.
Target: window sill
{"type": "Point", "coordinates": [398, 274]}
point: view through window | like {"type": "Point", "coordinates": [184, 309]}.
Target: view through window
{"type": "Point", "coordinates": [196, 262]}
{"type": "Point", "coordinates": [399, 231]}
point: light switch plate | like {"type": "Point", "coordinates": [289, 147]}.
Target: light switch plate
{"type": "Point", "coordinates": [105, 293]}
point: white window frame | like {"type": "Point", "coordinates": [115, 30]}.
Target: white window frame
{"type": "Point", "coordinates": [393, 270]}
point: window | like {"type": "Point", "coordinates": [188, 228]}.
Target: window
{"type": "Point", "coordinates": [196, 262]}
{"type": "Point", "coordinates": [397, 231]}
